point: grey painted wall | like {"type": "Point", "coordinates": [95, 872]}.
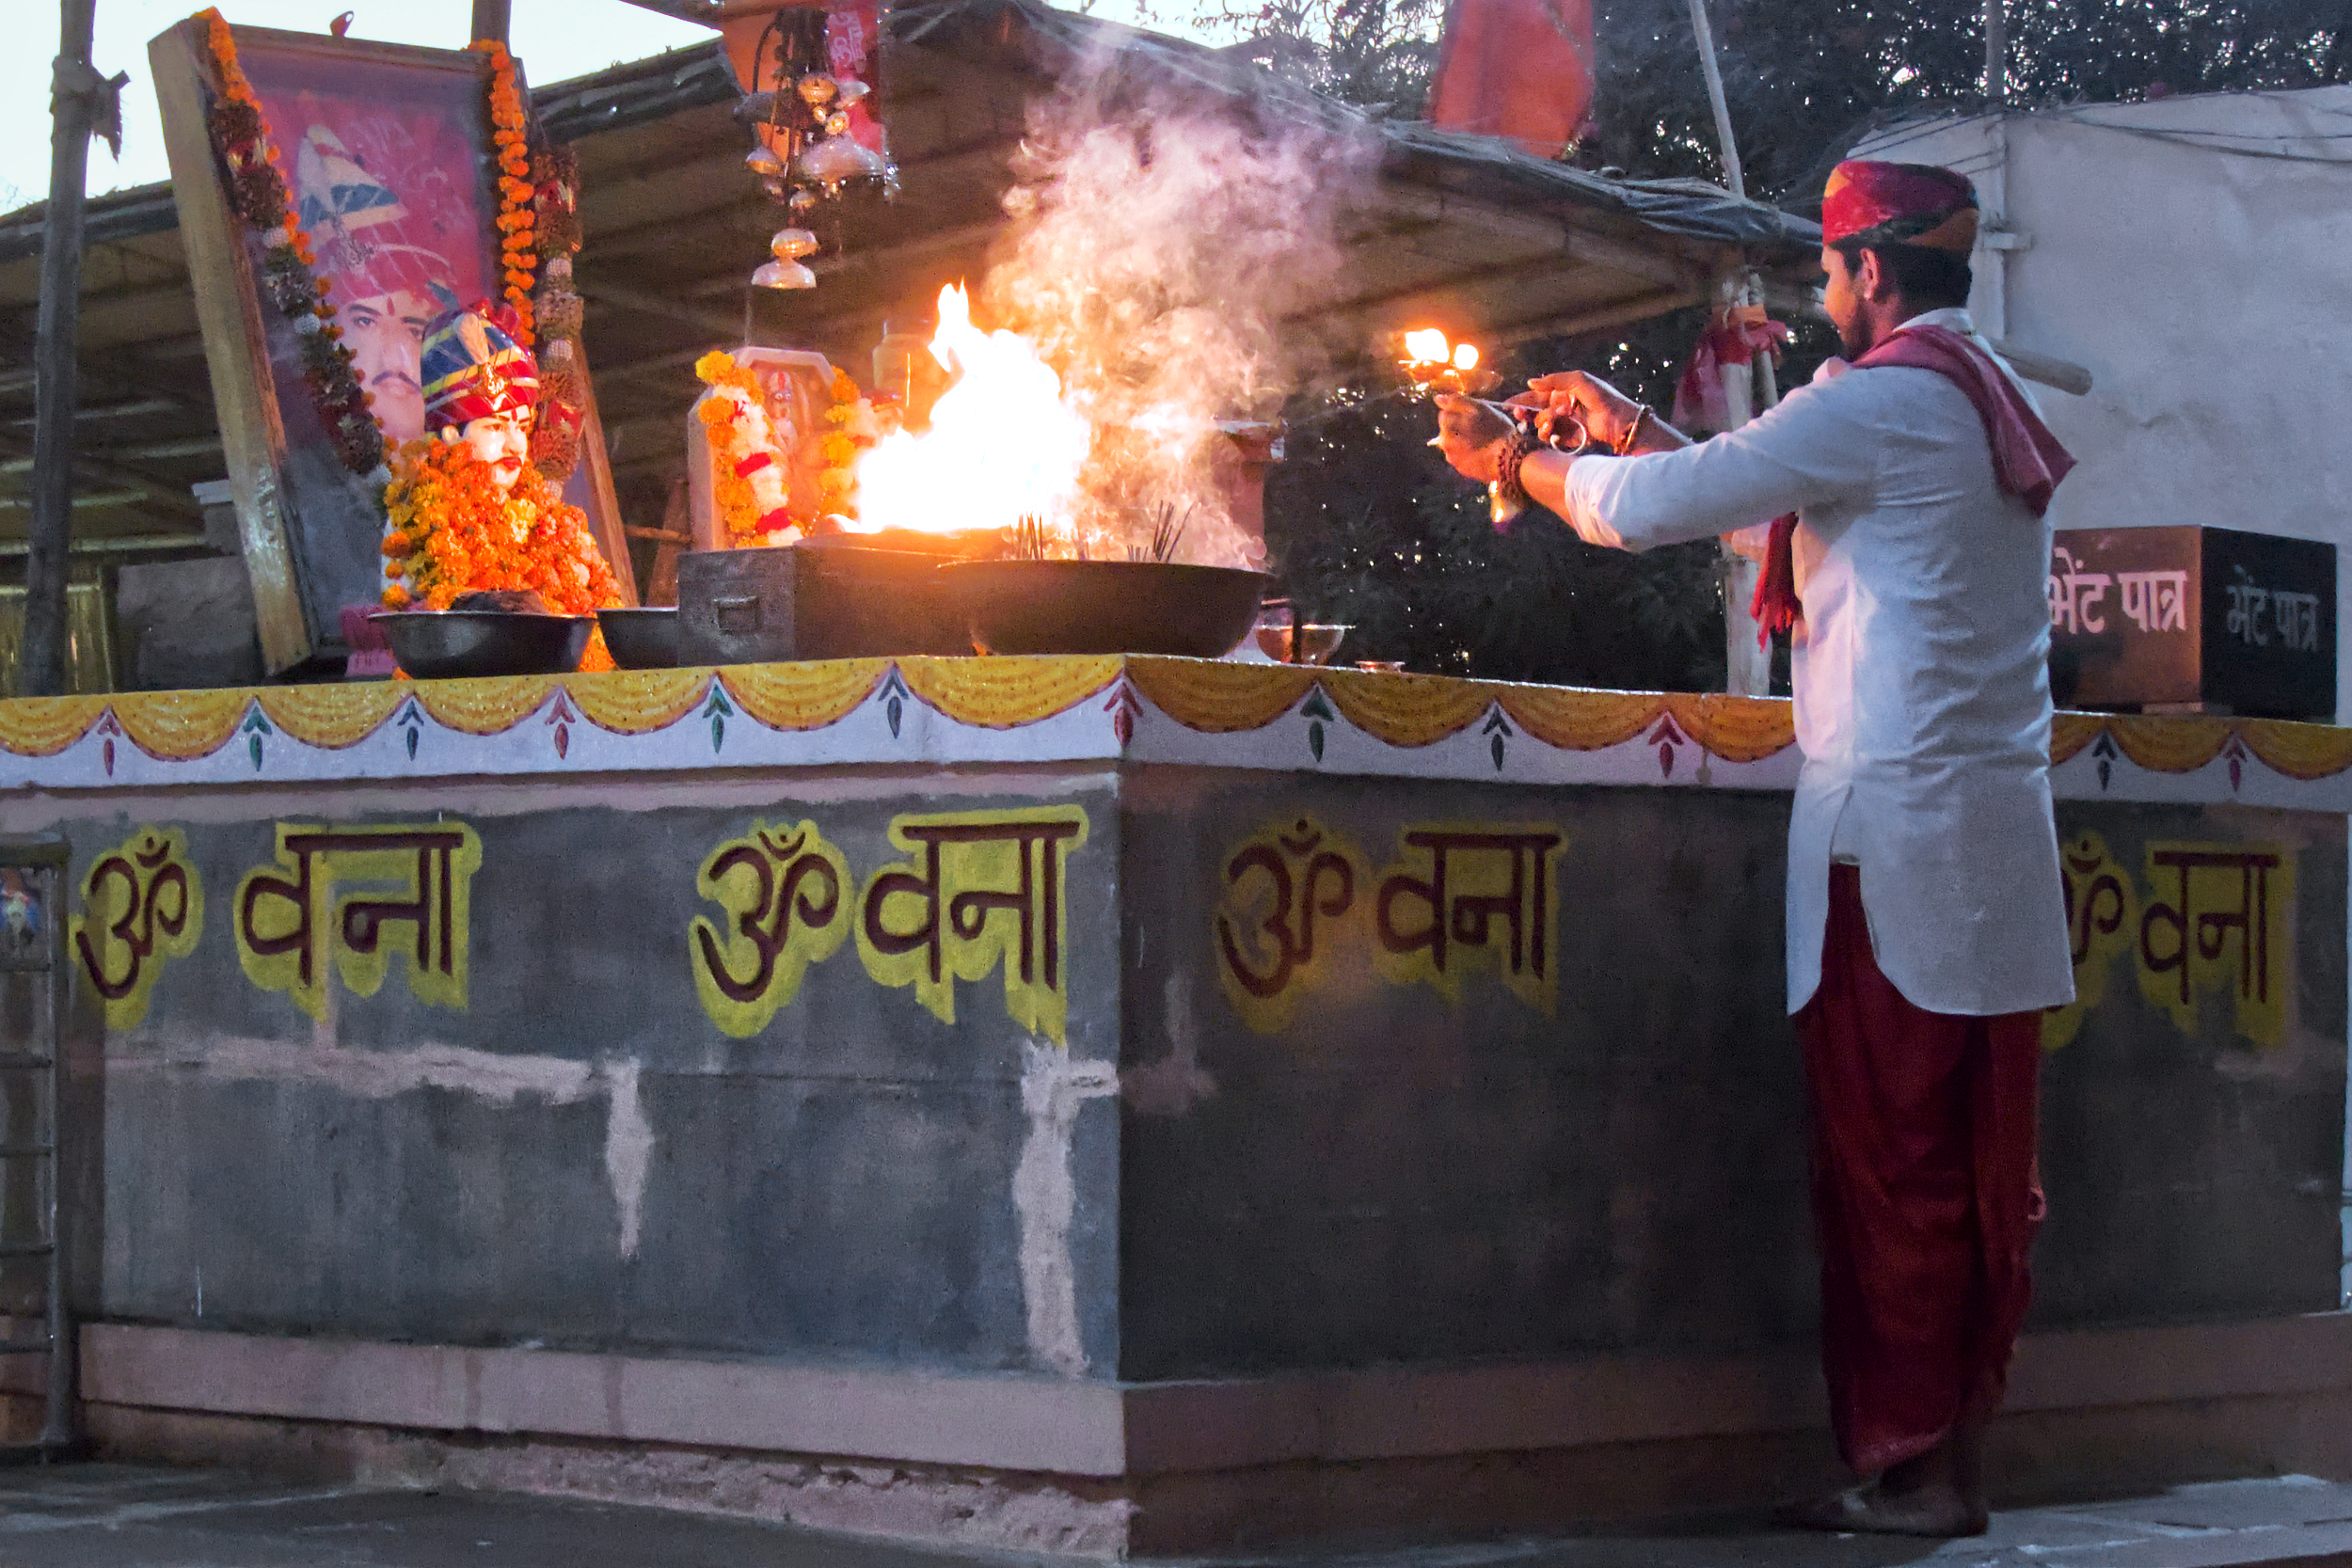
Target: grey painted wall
{"type": "Point", "coordinates": [1361, 1168]}
{"type": "Point", "coordinates": [1394, 1178]}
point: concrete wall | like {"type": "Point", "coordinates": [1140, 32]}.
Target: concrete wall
{"type": "Point", "coordinates": [578, 1156]}
{"type": "Point", "coordinates": [567, 1139]}
{"type": "Point", "coordinates": [1224, 1202]}
{"type": "Point", "coordinates": [1391, 1174]}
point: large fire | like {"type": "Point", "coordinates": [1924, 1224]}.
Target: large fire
{"type": "Point", "coordinates": [1003, 443]}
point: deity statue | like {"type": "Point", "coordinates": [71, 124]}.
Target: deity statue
{"type": "Point", "coordinates": [466, 509]}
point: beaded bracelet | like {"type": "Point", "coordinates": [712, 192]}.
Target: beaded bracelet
{"type": "Point", "coordinates": [1516, 450]}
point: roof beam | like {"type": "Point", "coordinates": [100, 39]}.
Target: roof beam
{"type": "Point", "coordinates": [1573, 324]}
{"type": "Point", "coordinates": [646, 303]}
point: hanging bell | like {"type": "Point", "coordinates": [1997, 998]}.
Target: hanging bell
{"type": "Point", "coordinates": [836, 161]}
{"type": "Point", "coordinates": [790, 245]}
{"type": "Point", "coordinates": [837, 123]}
{"type": "Point", "coordinates": [760, 161]}
{"type": "Point", "coordinates": [802, 203]}
{"type": "Point", "coordinates": [816, 90]}
{"type": "Point", "coordinates": [849, 92]}
{"type": "Point", "coordinates": [783, 274]}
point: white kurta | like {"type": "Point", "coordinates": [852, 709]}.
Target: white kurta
{"type": "Point", "coordinates": [1921, 682]}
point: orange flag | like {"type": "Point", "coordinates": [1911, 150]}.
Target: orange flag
{"type": "Point", "coordinates": [1522, 69]}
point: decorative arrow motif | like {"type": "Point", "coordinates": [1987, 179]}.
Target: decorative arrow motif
{"type": "Point", "coordinates": [562, 718]}
{"type": "Point", "coordinates": [718, 711]}
{"type": "Point", "coordinates": [1124, 710]}
{"type": "Point", "coordinates": [1497, 729]}
{"type": "Point", "coordinates": [894, 699]}
{"type": "Point", "coordinates": [1666, 737]}
{"type": "Point", "coordinates": [411, 719]}
{"type": "Point", "coordinates": [256, 726]}
{"type": "Point", "coordinates": [1319, 712]}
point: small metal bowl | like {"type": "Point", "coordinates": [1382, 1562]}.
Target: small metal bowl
{"type": "Point", "coordinates": [645, 638]}
{"type": "Point", "coordinates": [1317, 640]}
{"type": "Point", "coordinates": [447, 644]}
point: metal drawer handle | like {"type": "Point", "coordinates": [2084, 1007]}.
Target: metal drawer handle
{"type": "Point", "coordinates": [736, 616]}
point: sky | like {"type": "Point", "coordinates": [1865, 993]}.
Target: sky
{"type": "Point", "coordinates": [554, 39]}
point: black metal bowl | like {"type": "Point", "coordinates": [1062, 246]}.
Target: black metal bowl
{"type": "Point", "coordinates": [444, 644]}
{"type": "Point", "coordinates": [645, 638]}
{"type": "Point", "coordinates": [1106, 607]}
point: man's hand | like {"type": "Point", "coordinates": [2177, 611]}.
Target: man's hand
{"type": "Point", "coordinates": [1472, 437]}
{"type": "Point", "coordinates": [1606, 414]}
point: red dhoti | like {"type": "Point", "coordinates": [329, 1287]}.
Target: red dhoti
{"type": "Point", "coordinates": [1926, 1194]}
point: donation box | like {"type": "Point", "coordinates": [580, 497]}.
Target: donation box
{"type": "Point", "coordinates": [2193, 619]}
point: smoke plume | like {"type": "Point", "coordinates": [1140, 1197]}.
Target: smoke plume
{"type": "Point", "coordinates": [1160, 239]}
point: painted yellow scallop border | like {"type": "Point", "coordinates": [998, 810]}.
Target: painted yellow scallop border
{"type": "Point", "coordinates": [43, 726]}
{"type": "Point", "coordinates": [182, 726]}
{"type": "Point", "coordinates": [1004, 692]}
{"type": "Point", "coordinates": [638, 701]}
{"type": "Point", "coordinates": [1205, 696]}
{"type": "Point", "coordinates": [803, 696]}
{"type": "Point", "coordinates": [331, 717]}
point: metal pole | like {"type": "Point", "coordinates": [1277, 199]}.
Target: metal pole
{"type": "Point", "coordinates": [1733, 181]}
{"type": "Point", "coordinates": [41, 669]}
{"type": "Point", "coordinates": [492, 19]}
{"type": "Point", "coordinates": [1747, 671]}
{"type": "Point", "coordinates": [1996, 51]}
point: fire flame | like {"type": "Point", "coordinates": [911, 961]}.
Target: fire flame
{"type": "Point", "coordinates": [1003, 443]}
{"type": "Point", "coordinates": [1428, 346]}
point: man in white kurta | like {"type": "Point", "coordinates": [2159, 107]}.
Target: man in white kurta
{"type": "Point", "coordinates": [1926, 924]}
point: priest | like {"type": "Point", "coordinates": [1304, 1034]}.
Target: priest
{"type": "Point", "coordinates": [1926, 920]}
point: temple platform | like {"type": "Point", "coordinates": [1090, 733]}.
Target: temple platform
{"type": "Point", "coordinates": [1115, 1106]}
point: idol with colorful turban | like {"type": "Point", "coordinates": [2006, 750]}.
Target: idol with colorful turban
{"type": "Point", "coordinates": [467, 511]}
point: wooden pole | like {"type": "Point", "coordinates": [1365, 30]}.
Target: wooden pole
{"type": "Point", "coordinates": [41, 669]}
{"type": "Point", "coordinates": [1734, 181]}
{"type": "Point", "coordinates": [492, 19]}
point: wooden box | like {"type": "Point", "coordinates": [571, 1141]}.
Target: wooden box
{"type": "Point", "coordinates": [2193, 619]}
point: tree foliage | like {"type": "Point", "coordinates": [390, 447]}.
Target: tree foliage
{"type": "Point", "coordinates": [1369, 526]}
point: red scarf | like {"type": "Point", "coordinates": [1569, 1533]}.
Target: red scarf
{"type": "Point", "coordinates": [2027, 458]}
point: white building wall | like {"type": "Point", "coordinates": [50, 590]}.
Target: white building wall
{"type": "Point", "coordinates": [2195, 254]}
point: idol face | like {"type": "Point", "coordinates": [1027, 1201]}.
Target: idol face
{"type": "Point", "coordinates": [503, 442]}
{"type": "Point", "coordinates": [386, 336]}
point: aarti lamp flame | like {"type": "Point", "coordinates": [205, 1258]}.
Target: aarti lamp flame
{"type": "Point", "coordinates": [1428, 346]}
{"type": "Point", "coordinates": [1431, 359]}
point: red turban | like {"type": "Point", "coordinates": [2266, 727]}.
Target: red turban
{"type": "Point", "coordinates": [1878, 204]}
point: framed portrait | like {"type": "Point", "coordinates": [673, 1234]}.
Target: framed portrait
{"type": "Point", "coordinates": [386, 156]}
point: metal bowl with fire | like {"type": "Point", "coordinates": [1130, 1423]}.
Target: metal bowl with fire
{"type": "Point", "coordinates": [1007, 516]}
{"type": "Point", "coordinates": [1112, 539]}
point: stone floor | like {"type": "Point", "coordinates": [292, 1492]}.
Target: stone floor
{"type": "Point", "coordinates": [119, 1517]}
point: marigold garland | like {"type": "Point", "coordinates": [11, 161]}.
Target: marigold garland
{"type": "Point", "coordinates": [563, 384]}
{"type": "Point", "coordinates": [747, 479]}
{"type": "Point", "coordinates": [517, 216]}
{"type": "Point", "coordinates": [454, 532]}
{"type": "Point", "coordinates": [838, 480]}
{"type": "Point", "coordinates": [257, 188]}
